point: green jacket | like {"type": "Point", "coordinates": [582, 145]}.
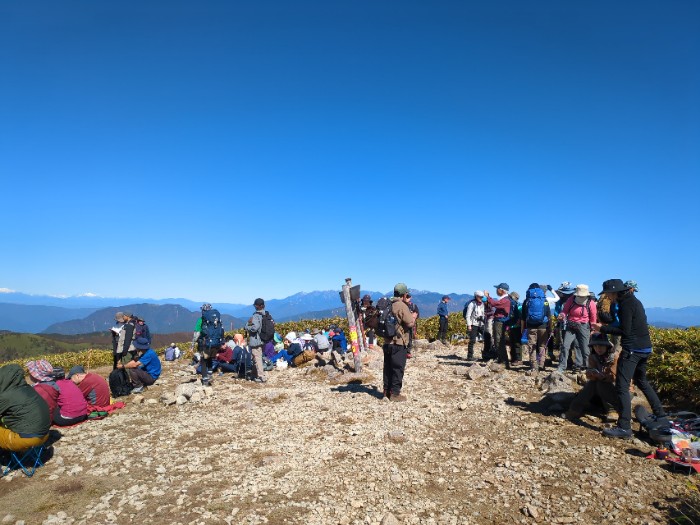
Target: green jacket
{"type": "Point", "coordinates": [22, 410]}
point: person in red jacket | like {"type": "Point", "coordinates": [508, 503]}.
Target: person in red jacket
{"type": "Point", "coordinates": [502, 306]}
{"type": "Point", "coordinates": [94, 388]}
{"type": "Point", "coordinates": [67, 406]}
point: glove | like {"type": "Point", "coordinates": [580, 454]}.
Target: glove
{"type": "Point", "coordinates": [549, 287]}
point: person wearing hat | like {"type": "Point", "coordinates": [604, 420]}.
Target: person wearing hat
{"type": "Point", "coordinates": [145, 367]}
{"type": "Point", "coordinates": [122, 336]}
{"type": "Point", "coordinates": [66, 403]}
{"type": "Point", "coordinates": [442, 314]}
{"type": "Point", "coordinates": [370, 320]}
{"type": "Point", "coordinates": [94, 388]}
{"type": "Point", "coordinates": [636, 349]}
{"type": "Point", "coordinates": [500, 317]}
{"type": "Point", "coordinates": [577, 316]}
{"type": "Point", "coordinates": [141, 329]}
{"type": "Point", "coordinates": [602, 367]}
{"type": "Point", "coordinates": [515, 334]}
{"type": "Point", "coordinates": [254, 327]}
{"type": "Point", "coordinates": [473, 313]}
{"type": "Point", "coordinates": [396, 349]}
{"type": "Point", "coordinates": [24, 416]}
{"type": "Point", "coordinates": [608, 310]}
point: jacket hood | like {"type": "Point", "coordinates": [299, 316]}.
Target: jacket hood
{"type": "Point", "coordinates": [11, 376]}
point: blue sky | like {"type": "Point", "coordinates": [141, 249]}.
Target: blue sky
{"type": "Point", "coordinates": [224, 150]}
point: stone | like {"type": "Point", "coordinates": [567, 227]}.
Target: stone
{"type": "Point", "coordinates": [389, 519]}
{"type": "Point", "coordinates": [476, 371]}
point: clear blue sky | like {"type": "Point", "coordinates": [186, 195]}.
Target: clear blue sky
{"type": "Point", "coordinates": [224, 150]}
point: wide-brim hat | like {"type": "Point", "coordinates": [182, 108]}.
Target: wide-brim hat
{"type": "Point", "coordinates": [599, 340]}
{"type": "Point", "coordinates": [315, 331]}
{"type": "Point", "coordinates": [582, 290]}
{"type": "Point", "coordinates": [40, 370]}
{"type": "Point", "coordinates": [614, 285]}
{"type": "Point", "coordinates": [307, 337]}
{"type": "Point", "coordinates": [142, 343]}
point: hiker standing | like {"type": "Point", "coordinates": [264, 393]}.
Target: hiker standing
{"type": "Point", "coordinates": [442, 313]}
{"type": "Point", "coordinates": [413, 308]}
{"type": "Point", "coordinates": [254, 328]}
{"type": "Point", "coordinates": [578, 313]}
{"type": "Point", "coordinates": [632, 364]}
{"type": "Point", "coordinates": [396, 349]}
{"type": "Point", "coordinates": [500, 317]}
{"type": "Point", "coordinates": [122, 336]}
{"type": "Point", "coordinates": [515, 334]}
{"type": "Point", "coordinates": [535, 319]}
{"type": "Point", "coordinates": [474, 317]}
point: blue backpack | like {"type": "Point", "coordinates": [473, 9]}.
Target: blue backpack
{"type": "Point", "coordinates": [536, 314]}
{"type": "Point", "coordinates": [212, 333]}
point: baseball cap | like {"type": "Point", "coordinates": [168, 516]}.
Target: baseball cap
{"type": "Point", "coordinates": [77, 369]}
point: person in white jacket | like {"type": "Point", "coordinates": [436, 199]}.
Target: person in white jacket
{"type": "Point", "coordinates": [474, 317]}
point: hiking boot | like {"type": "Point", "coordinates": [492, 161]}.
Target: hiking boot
{"type": "Point", "coordinates": [137, 390]}
{"type": "Point", "coordinates": [516, 363]}
{"type": "Point", "coordinates": [398, 397]}
{"type": "Point", "coordinates": [470, 357]}
{"type": "Point", "coordinates": [386, 393]}
{"type": "Point", "coordinates": [617, 432]}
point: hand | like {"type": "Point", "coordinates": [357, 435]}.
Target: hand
{"type": "Point", "coordinates": [595, 327]}
{"type": "Point", "coordinates": [119, 365]}
{"type": "Point", "coordinates": [561, 316]}
{"type": "Point", "coordinates": [486, 293]}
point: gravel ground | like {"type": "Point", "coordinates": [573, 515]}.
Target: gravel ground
{"type": "Point", "coordinates": [316, 446]}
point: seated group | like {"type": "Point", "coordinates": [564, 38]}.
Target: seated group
{"type": "Point", "coordinates": [27, 410]}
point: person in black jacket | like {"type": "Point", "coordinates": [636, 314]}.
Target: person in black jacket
{"type": "Point", "coordinates": [632, 364]}
{"type": "Point", "coordinates": [122, 336]}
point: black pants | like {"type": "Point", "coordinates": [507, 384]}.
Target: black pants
{"type": "Point", "coordinates": [442, 331]}
{"type": "Point", "coordinates": [633, 365]}
{"type": "Point", "coordinates": [394, 366]}
{"type": "Point", "coordinates": [473, 335]}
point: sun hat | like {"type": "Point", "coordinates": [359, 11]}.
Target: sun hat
{"type": "Point", "coordinates": [77, 369]}
{"type": "Point", "coordinates": [502, 286]}
{"type": "Point", "coordinates": [142, 343]}
{"type": "Point", "coordinates": [291, 336]}
{"type": "Point", "coordinates": [400, 289]}
{"type": "Point", "coordinates": [259, 302]}
{"type": "Point", "coordinates": [632, 285]}
{"type": "Point", "coordinates": [40, 370]}
{"type": "Point", "coordinates": [582, 290]}
{"type": "Point", "coordinates": [307, 337]}
{"type": "Point", "coordinates": [478, 293]}
{"type": "Point", "coordinates": [566, 288]}
{"type": "Point", "coordinates": [599, 339]}
{"type": "Point", "coordinates": [315, 331]}
{"type": "Point", "coordinates": [515, 296]}
{"type": "Point", "coordinates": [614, 285]}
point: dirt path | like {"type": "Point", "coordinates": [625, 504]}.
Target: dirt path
{"type": "Point", "coordinates": [303, 450]}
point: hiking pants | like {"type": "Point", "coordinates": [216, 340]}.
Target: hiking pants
{"type": "Point", "coordinates": [442, 331]}
{"type": "Point", "coordinates": [499, 341]}
{"type": "Point", "coordinates": [473, 336]}
{"type": "Point", "coordinates": [14, 442]}
{"type": "Point", "coordinates": [535, 350]}
{"type": "Point", "coordinates": [488, 336]}
{"type": "Point", "coordinates": [394, 366]}
{"type": "Point", "coordinates": [602, 389]}
{"type": "Point", "coordinates": [61, 421]}
{"type": "Point", "coordinates": [581, 335]}
{"type": "Point", "coordinates": [139, 377]}
{"type": "Point", "coordinates": [633, 365]}
{"type": "Point", "coordinates": [516, 347]}
{"type": "Point", "coordinates": [256, 352]}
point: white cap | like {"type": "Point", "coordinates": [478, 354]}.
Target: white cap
{"type": "Point", "coordinates": [478, 293]}
{"type": "Point", "coordinates": [291, 336]}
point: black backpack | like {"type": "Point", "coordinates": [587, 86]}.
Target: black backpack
{"type": "Point", "coordinates": [119, 383]}
{"type": "Point", "coordinates": [386, 325]}
{"type": "Point", "coordinates": [212, 333]}
{"type": "Point", "coordinates": [267, 330]}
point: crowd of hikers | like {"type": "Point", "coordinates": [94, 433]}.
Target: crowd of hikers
{"type": "Point", "coordinates": [603, 335]}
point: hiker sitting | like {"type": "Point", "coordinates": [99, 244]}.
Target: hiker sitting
{"type": "Point", "coordinates": [223, 360]}
{"type": "Point", "coordinates": [94, 388]}
{"type": "Point", "coordinates": [309, 343]}
{"type": "Point", "coordinates": [322, 342]}
{"type": "Point", "coordinates": [144, 368]}
{"type": "Point", "coordinates": [67, 405]}
{"type": "Point", "coordinates": [24, 416]}
{"type": "Point", "coordinates": [601, 371]}
{"type": "Point", "coordinates": [340, 342]}
{"type": "Point", "coordinates": [291, 349]}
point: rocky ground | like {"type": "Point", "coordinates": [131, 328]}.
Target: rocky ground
{"type": "Point", "coordinates": [316, 446]}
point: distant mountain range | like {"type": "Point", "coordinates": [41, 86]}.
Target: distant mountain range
{"type": "Point", "coordinates": [85, 314]}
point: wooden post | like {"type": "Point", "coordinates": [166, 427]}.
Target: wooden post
{"type": "Point", "coordinates": [352, 325]}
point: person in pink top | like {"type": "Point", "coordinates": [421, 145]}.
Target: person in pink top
{"type": "Point", "coordinates": [67, 406]}
{"type": "Point", "coordinates": [577, 315]}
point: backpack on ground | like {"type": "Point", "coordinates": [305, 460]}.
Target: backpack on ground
{"type": "Point", "coordinates": [269, 365]}
{"type": "Point", "coordinates": [212, 332]}
{"type": "Point", "coordinates": [303, 358]}
{"type": "Point", "coordinates": [267, 329]}
{"type": "Point", "coordinates": [386, 325]}
{"type": "Point", "coordinates": [119, 383]}
{"type": "Point", "coordinates": [536, 311]}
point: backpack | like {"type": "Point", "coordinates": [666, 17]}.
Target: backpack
{"type": "Point", "coordinates": [212, 333]}
{"type": "Point", "coordinates": [119, 383]}
{"type": "Point", "coordinates": [386, 325]}
{"type": "Point", "coordinates": [536, 314]}
{"type": "Point", "coordinates": [369, 318]}
{"type": "Point", "coordinates": [513, 315]}
{"type": "Point", "coordinates": [267, 330]}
